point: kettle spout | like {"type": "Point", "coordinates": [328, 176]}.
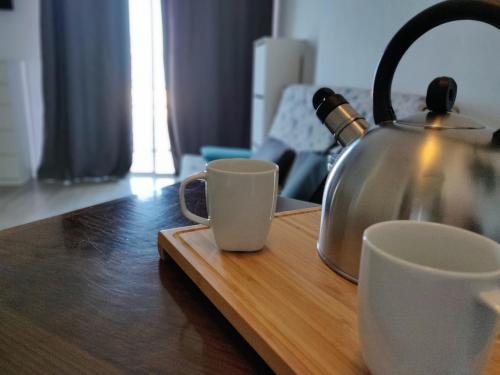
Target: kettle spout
{"type": "Point", "coordinates": [343, 121]}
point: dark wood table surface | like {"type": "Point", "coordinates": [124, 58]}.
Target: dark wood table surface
{"type": "Point", "coordinates": [86, 292]}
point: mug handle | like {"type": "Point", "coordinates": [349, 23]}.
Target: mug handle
{"type": "Point", "coordinates": [491, 299]}
{"type": "Point", "coordinates": [182, 199]}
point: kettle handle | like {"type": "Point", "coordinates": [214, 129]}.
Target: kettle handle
{"type": "Point", "coordinates": [487, 11]}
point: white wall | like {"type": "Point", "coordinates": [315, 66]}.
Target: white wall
{"type": "Point", "coordinates": [351, 35]}
{"type": "Point", "coordinates": [20, 40]}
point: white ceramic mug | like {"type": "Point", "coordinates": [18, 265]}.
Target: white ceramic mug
{"type": "Point", "coordinates": [428, 298]}
{"type": "Point", "coordinates": [241, 201]}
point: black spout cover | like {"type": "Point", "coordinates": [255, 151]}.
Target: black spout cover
{"type": "Point", "coordinates": [320, 96]}
{"type": "Point", "coordinates": [495, 140]}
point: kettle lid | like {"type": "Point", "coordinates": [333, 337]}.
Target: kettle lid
{"type": "Point", "coordinates": [441, 95]}
{"type": "Point", "coordinates": [433, 120]}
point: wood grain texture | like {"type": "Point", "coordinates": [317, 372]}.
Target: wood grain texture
{"type": "Point", "coordinates": [298, 314]}
{"type": "Point", "coordinates": [85, 292]}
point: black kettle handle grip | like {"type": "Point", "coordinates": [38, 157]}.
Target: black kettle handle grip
{"type": "Point", "coordinates": [487, 11]}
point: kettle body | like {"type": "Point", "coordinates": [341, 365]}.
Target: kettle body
{"type": "Point", "coordinates": [435, 166]}
{"type": "Point", "coordinates": [403, 172]}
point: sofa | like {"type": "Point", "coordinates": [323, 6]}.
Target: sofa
{"type": "Point", "coordinates": [296, 126]}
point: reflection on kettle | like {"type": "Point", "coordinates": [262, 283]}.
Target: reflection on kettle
{"type": "Point", "coordinates": [434, 166]}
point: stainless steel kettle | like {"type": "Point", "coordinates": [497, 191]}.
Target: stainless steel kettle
{"type": "Point", "coordinates": [434, 166]}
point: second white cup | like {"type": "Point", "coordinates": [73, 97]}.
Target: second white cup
{"type": "Point", "coordinates": [428, 298]}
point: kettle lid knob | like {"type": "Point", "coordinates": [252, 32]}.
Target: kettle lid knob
{"type": "Point", "coordinates": [441, 94]}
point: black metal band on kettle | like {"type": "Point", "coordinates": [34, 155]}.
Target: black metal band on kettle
{"type": "Point", "coordinates": [487, 11]}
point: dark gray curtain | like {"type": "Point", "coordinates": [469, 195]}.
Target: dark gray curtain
{"type": "Point", "coordinates": [86, 86]}
{"type": "Point", "coordinates": [208, 48]}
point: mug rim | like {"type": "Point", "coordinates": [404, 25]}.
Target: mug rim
{"type": "Point", "coordinates": [429, 269]}
{"type": "Point", "coordinates": [272, 167]}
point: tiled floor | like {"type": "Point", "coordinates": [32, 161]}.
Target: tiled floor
{"type": "Point", "coordinates": [36, 200]}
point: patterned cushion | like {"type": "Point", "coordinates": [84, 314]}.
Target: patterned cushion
{"type": "Point", "coordinates": [296, 124]}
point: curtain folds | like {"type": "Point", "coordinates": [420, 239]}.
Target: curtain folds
{"type": "Point", "coordinates": [86, 86]}
{"type": "Point", "coordinates": [208, 47]}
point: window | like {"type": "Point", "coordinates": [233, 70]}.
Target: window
{"type": "Point", "coordinates": [149, 98]}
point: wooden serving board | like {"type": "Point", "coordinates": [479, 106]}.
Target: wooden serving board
{"type": "Point", "coordinates": [297, 314]}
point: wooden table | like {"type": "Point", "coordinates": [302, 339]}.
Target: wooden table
{"type": "Point", "coordinates": [86, 292]}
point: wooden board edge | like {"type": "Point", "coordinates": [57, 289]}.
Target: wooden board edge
{"type": "Point", "coordinates": [297, 212]}
{"type": "Point", "coordinates": [164, 233]}
{"type": "Point", "coordinates": [169, 243]}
